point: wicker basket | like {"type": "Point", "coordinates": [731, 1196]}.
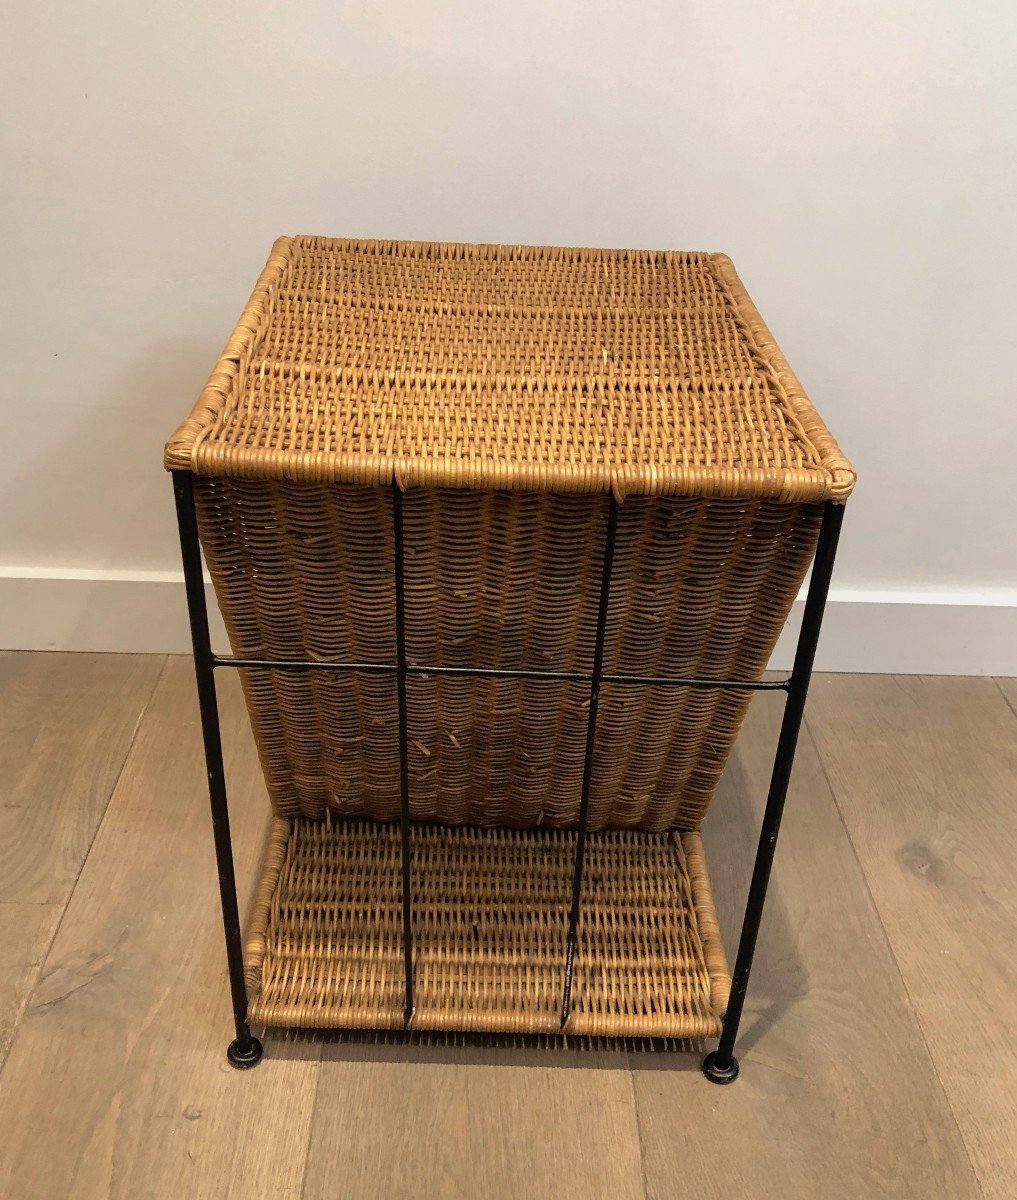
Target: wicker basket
{"type": "Point", "coordinates": [509, 392]}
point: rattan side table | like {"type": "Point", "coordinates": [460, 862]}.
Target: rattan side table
{"type": "Point", "coordinates": [503, 537]}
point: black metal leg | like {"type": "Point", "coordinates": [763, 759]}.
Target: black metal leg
{"type": "Point", "coordinates": [404, 753]}
{"type": "Point", "coordinates": [721, 1066]}
{"type": "Point", "coordinates": [591, 731]}
{"type": "Point", "coordinates": [245, 1050]}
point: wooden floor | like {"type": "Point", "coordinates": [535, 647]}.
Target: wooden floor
{"type": "Point", "coordinates": [879, 1047]}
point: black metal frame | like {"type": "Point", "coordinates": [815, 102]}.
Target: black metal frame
{"type": "Point", "coordinates": [720, 1066]}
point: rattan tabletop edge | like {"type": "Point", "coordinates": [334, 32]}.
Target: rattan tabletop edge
{"type": "Point", "coordinates": [366, 362]}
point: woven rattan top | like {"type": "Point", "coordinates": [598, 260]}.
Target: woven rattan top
{"type": "Point", "coordinates": [519, 367]}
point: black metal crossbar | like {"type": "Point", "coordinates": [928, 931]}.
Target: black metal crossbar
{"type": "Point", "coordinates": [372, 668]}
{"type": "Point", "coordinates": [720, 1066]}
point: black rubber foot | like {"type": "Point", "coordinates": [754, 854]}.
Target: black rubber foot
{"type": "Point", "coordinates": [243, 1060]}
{"type": "Point", "coordinates": [716, 1073]}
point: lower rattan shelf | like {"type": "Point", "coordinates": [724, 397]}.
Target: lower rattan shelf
{"type": "Point", "coordinates": [490, 926]}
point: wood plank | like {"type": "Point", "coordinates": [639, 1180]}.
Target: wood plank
{"type": "Point", "coordinates": [441, 1121]}
{"type": "Point", "coordinates": [66, 725]}
{"type": "Point", "coordinates": [837, 1096]}
{"type": "Point", "coordinates": [116, 1084]}
{"type": "Point", "coordinates": [924, 771]}
{"type": "Point", "coordinates": [26, 931]}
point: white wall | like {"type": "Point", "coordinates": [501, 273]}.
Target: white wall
{"type": "Point", "coordinates": [856, 159]}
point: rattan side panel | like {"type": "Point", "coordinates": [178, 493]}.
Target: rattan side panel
{"type": "Point", "coordinates": [500, 579]}
{"type": "Point", "coordinates": [509, 579]}
{"type": "Point", "coordinates": [705, 587]}
{"type": "Point", "coordinates": [306, 572]}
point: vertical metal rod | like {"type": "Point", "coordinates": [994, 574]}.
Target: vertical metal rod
{"type": "Point", "coordinates": [246, 1050]}
{"type": "Point", "coordinates": [404, 753]}
{"type": "Point", "coordinates": [591, 730]}
{"type": "Point", "coordinates": [798, 688]}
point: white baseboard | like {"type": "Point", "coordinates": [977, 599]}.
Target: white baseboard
{"type": "Point", "coordinates": [907, 633]}
{"type": "Point", "coordinates": [912, 633]}
{"type": "Point", "coordinates": [137, 612]}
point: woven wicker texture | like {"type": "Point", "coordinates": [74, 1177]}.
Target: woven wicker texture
{"type": "Point", "coordinates": [490, 914]}
{"type": "Point", "coordinates": [508, 367]}
{"type": "Point", "coordinates": [500, 579]}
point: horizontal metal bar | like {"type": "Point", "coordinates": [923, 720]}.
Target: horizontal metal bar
{"type": "Point", "coordinates": [353, 668]}
{"type": "Point", "coordinates": [740, 685]}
